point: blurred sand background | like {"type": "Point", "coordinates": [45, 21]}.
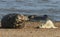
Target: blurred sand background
{"type": "Point", "coordinates": [30, 31]}
{"type": "Point", "coordinates": [31, 7]}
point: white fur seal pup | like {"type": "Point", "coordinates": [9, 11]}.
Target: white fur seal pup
{"type": "Point", "coordinates": [48, 24]}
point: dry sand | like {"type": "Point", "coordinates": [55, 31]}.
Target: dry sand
{"type": "Point", "coordinates": [30, 31]}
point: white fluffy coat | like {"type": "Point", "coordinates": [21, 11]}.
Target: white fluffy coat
{"type": "Point", "coordinates": [48, 24]}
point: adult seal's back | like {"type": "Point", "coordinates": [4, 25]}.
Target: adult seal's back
{"type": "Point", "coordinates": [13, 21]}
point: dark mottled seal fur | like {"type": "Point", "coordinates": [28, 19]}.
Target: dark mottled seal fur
{"type": "Point", "coordinates": [13, 21]}
{"type": "Point", "coordinates": [38, 18]}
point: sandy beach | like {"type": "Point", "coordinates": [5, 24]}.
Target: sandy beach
{"type": "Point", "coordinates": [30, 31]}
{"type": "Point", "coordinates": [31, 7]}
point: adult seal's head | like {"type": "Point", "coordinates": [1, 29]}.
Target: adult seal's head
{"type": "Point", "coordinates": [45, 17]}
{"type": "Point", "coordinates": [13, 21]}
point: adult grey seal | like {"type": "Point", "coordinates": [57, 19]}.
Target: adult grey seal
{"type": "Point", "coordinates": [13, 21]}
{"type": "Point", "coordinates": [38, 18]}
